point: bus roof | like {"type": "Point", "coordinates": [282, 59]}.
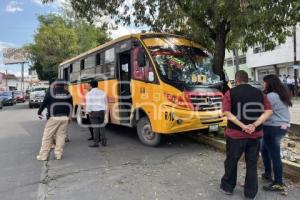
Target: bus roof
{"type": "Point", "coordinates": [138, 35]}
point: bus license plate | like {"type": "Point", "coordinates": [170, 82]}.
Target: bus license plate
{"type": "Point", "coordinates": [213, 128]}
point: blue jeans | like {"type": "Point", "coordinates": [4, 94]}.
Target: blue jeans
{"type": "Point", "coordinates": [271, 151]}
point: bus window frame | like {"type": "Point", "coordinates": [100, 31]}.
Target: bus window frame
{"type": "Point", "coordinates": [139, 44]}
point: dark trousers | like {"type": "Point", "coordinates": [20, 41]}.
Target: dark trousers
{"type": "Point", "coordinates": [270, 151]}
{"type": "Point", "coordinates": [97, 122]}
{"type": "Point", "coordinates": [234, 150]}
{"type": "Point", "coordinates": [90, 128]}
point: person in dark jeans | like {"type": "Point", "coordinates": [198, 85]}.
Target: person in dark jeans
{"type": "Point", "coordinates": [275, 129]}
{"type": "Point", "coordinates": [97, 121]}
{"type": "Point", "coordinates": [97, 108]}
{"type": "Point", "coordinates": [246, 112]}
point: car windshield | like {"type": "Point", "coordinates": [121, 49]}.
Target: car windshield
{"type": "Point", "coordinates": [38, 89]}
{"type": "Point", "coordinates": [184, 64]}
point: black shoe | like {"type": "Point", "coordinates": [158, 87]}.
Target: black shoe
{"type": "Point", "coordinates": [104, 142]}
{"type": "Point", "coordinates": [266, 177]}
{"type": "Point", "coordinates": [94, 145]}
{"type": "Point", "coordinates": [274, 187]}
{"type": "Point", "coordinates": [225, 191]}
{"type": "Point", "coordinates": [91, 138]}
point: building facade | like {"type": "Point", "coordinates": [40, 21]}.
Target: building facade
{"type": "Point", "coordinates": [12, 82]}
{"type": "Point", "coordinates": [258, 62]}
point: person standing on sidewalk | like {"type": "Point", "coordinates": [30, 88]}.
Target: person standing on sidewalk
{"type": "Point", "coordinates": [275, 129]}
{"type": "Point", "coordinates": [58, 102]}
{"type": "Point", "coordinates": [97, 108]}
{"type": "Point", "coordinates": [290, 83]}
{"type": "Point", "coordinates": [246, 109]}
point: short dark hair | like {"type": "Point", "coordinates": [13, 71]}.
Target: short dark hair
{"type": "Point", "coordinates": [93, 83]}
{"type": "Point", "coordinates": [242, 76]}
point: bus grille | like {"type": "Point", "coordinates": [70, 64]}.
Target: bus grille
{"type": "Point", "coordinates": [206, 103]}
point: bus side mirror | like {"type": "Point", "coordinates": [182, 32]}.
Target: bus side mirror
{"type": "Point", "coordinates": [141, 59]}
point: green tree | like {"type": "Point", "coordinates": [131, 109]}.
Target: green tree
{"type": "Point", "coordinates": [54, 41]}
{"type": "Point", "coordinates": [217, 24]}
{"type": "Point", "coordinates": [57, 39]}
{"type": "Point", "coordinates": [90, 36]}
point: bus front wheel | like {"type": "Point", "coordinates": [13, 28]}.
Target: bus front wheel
{"type": "Point", "coordinates": [145, 133]}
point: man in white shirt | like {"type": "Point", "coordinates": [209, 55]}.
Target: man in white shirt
{"type": "Point", "coordinates": [97, 108]}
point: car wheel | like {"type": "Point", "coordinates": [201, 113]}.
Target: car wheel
{"type": "Point", "coordinates": [30, 106]}
{"type": "Point", "coordinates": [145, 133]}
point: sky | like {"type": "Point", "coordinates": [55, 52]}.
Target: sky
{"type": "Point", "coordinates": [18, 23]}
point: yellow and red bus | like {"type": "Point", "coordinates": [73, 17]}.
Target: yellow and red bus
{"type": "Point", "coordinates": [159, 83]}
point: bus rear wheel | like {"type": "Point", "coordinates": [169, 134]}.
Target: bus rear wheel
{"type": "Point", "coordinates": [145, 133]}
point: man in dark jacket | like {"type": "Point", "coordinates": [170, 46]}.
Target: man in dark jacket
{"type": "Point", "coordinates": [58, 102]}
{"type": "Point", "coordinates": [246, 109]}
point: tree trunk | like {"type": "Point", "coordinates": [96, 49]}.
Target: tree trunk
{"type": "Point", "coordinates": [219, 53]}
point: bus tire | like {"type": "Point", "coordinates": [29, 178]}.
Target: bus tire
{"type": "Point", "coordinates": [145, 133]}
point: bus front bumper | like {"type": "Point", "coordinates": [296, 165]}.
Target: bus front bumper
{"type": "Point", "coordinates": [178, 120]}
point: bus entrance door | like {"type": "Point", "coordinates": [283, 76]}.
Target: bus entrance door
{"type": "Point", "coordinates": [125, 100]}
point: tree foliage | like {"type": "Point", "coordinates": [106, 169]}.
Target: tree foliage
{"type": "Point", "coordinates": [216, 24]}
{"type": "Point", "coordinates": [57, 39]}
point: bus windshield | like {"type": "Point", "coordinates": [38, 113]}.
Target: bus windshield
{"type": "Point", "coordinates": [184, 64]}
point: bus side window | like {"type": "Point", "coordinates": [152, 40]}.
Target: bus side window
{"type": "Point", "coordinates": [145, 73]}
{"type": "Point", "coordinates": [138, 71]}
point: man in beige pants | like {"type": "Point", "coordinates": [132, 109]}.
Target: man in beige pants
{"type": "Point", "coordinates": [58, 102]}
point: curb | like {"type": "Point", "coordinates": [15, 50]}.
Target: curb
{"type": "Point", "coordinates": [290, 169]}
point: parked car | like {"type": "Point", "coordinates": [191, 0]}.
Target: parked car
{"type": "Point", "coordinates": [1, 104]}
{"type": "Point", "coordinates": [19, 96]}
{"type": "Point", "coordinates": [36, 96]}
{"type": "Point", "coordinates": [256, 85]}
{"type": "Point", "coordinates": [7, 98]}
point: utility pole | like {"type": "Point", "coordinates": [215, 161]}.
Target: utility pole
{"type": "Point", "coordinates": [296, 64]}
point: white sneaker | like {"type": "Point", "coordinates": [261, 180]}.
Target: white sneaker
{"type": "Point", "coordinates": [41, 158]}
{"type": "Point", "coordinates": [58, 157]}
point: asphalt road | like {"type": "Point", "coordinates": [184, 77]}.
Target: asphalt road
{"type": "Point", "coordinates": [125, 169]}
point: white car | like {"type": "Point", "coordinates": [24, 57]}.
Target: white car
{"type": "Point", "coordinates": [36, 96]}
